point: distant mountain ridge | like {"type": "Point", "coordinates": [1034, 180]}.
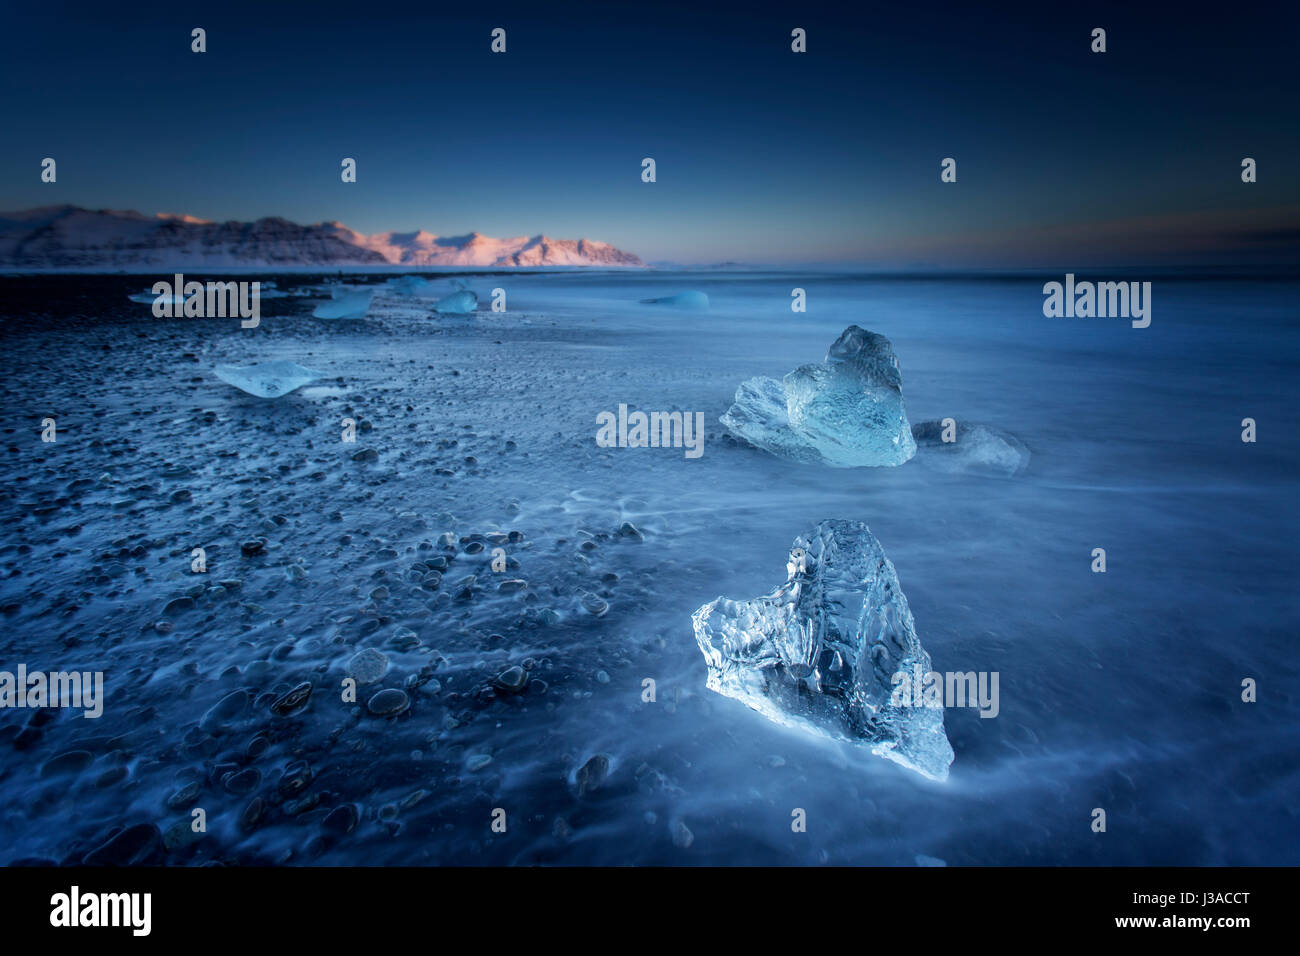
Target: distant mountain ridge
{"type": "Point", "coordinates": [70, 237]}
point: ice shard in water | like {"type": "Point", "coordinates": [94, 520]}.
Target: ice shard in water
{"type": "Point", "coordinates": [847, 411]}
{"type": "Point", "coordinates": [960, 447]}
{"type": "Point", "coordinates": [820, 652]}
{"type": "Point", "coordinates": [345, 305]}
{"type": "Point", "coordinates": [408, 285]}
{"type": "Point", "coordinates": [691, 301]}
{"type": "Point", "coordinates": [268, 379]}
{"type": "Point", "coordinates": [149, 298]}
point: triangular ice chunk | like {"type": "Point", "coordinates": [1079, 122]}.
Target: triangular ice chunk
{"type": "Point", "coordinates": [821, 651]}
{"type": "Point", "coordinates": [689, 301]}
{"type": "Point", "coordinates": [268, 379]}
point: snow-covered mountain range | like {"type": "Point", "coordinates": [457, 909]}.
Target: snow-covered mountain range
{"type": "Point", "coordinates": [69, 237]}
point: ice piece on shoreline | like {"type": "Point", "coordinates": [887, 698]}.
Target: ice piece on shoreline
{"type": "Point", "coordinates": [267, 379]}
{"type": "Point", "coordinates": [458, 303]}
{"type": "Point", "coordinates": [974, 449]}
{"type": "Point", "coordinates": [346, 305]}
{"type": "Point", "coordinates": [408, 285]}
{"type": "Point", "coordinates": [846, 412]}
{"type": "Point", "coordinates": [820, 652]}
{"type": "Point", "coordinates": [695, 301]}
{"type": "Point", "coordinates": [149, 298]}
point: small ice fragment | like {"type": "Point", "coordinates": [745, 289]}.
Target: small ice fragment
{"type": "Point", "coordinates": [457, 303]}
{"type": "Point", "coordinates": [149, 298]}
{"type": "Point", "coordinates": [349, 305]}
{"type": "Point", "coordinates": [821, 652]}
{"type": "Point", "coordinates": [695, 301]}
{"type": "Point", "coordinates": [267, 379]}
{"type": "Point", "coordinates": [847, 411]}
{"type": "Point", "coordinates": [408, 285]}
{"type": "Point", "coordinates": [971, 448]}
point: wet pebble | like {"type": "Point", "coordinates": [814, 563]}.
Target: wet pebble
{"type": "Point", "coordinates": [295, 808]}
{"type": "Point", "coordinates": [258, 671]}
{"type": "Point", "coordinates": [184, 797]}
{"type": "Point", "coordinates": [295, 778]}
{"type": "Point", "coordinates": [512, 679]}
{"type": "Point", "coordinates": [180, 835]}
{"type": "Point", "coordinates": [177, 606]}
{"type": "Point", "coordinates": [293, 701]}
{"type": "Point", "coordinates": [131, 847]}
{"type": "Point", "coordinates": [592, 774]}
{"type": "Point", "coordinates": [74, 761]}
{"type": "Point", "coordinates": [252, 814]}
{"type": "Point", "coordinates": [111, 777]}
{"type": "Point", "coordinates": [411, 799]}
{"type": "Point", "coordinates": [222, 713]}
{"type": "Point", "coordinates": [243, 782]}
{"type": "Point", "coordinates": [404, 639]}
{"type": "Point", "coordinates": [341, 820]}
{"type": "Point", "coordinates": [389, 702]}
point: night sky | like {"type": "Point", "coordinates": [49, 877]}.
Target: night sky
{"type": "Point", "coordinates": [1064, 157]}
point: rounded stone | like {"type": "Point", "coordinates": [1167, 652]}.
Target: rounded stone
{"type": "Point", "coordinates": [512, 679]}
{"type": "Point", "coordinates": [74, 761]}
{"type": "Point", "coordinates": [340, 820]}
{"type": "Point", "coordinates": [243, 782]}
{"type": "Point", "coordinates": [592, 774]}
{"type": "Point", "coordinates": [389, 703]}
{"type": "Point", "coordinates": [130, 847]}
{"type": "Point", "coordinates": [224, 711]}
{"type": "Point", "coordinates": [293, 701]}
{"type": "Point", "coordinates": [184, 796]}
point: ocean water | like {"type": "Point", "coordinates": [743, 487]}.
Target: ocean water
{"type": "Point", "coordinates": [1120, 691]}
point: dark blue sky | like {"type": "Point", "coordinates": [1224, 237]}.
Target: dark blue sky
{"type": "Point", "coordinates": [763, 155]}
